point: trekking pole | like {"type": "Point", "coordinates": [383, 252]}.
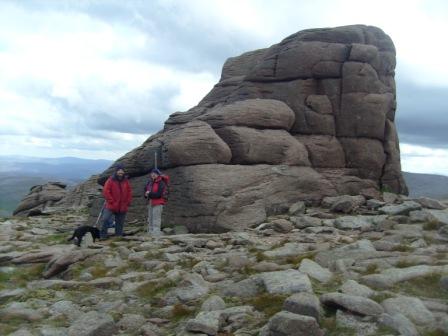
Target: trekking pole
{"type": "Point", "coordinates": [99, 216]}
{"type": "Point", "coordinates": [155, 159]}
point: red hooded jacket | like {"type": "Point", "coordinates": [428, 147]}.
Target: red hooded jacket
{"type": "Point", "coordinates": [156, 190]}
{"type": "Point", "coordinates": [118, 194]}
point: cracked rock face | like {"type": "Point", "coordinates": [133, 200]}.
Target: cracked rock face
{"type": "Point", "coordinates": [309, 117]}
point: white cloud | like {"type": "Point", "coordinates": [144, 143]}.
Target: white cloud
{"type": "Point", "coordinates": [419, 159]}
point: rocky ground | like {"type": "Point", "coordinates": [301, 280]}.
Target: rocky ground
{"type": "Point", "coordinates": [349, 267]}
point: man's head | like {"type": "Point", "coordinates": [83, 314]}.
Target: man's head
{"type": "Point", "coordinates": [155, 173]}
{"type": "Point", "coordinates": [119, 171]}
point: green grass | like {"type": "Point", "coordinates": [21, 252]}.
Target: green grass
{"type": "Point", "coordinates": [381, 296]}
{"type": "Point", "coordinates": [431, 226]}
{"type": "Point", "coordinates": [329, 287]}
{"type": "Point", "coordinates": [371, 269]}
{"type": "Point", "coordinates": [403, 248]}
{"type": "Point", "coordinates": [329, 323]}
{"type": "Point", "coordinates": [428, 286]}
{"type": "Point", "coordinates": [269, 304]}
{"type": "Point", "coordinates": [58, 238]}
{"type": "Point", "coordinates": [404, 264]}
{"type": "Point", "coordinates": [437, 332]}
{"type": "Point", "coordinates": [21, 275]}
{"type": "Point", "coordinates": [153, 290]}
{"type": "Point", "coordinates": [180, 312]}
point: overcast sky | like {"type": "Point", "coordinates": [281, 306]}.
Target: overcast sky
{"type": "Point", "coordinates": [94, 79]}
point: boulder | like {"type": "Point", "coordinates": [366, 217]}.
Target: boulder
{"type": "Point", "coordinates": [400, 209]}
{"type": "Point", "coordinates": [40, 199]}
{"type": "Point", "coordinates": [309, 117]}
{"type": "Point", "coordinates": [351, 287]}
{"type": "Point", "coordinates": [399, 323]}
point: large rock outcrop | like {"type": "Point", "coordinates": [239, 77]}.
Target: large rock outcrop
{"type": "Point", "coordinates": [309, 117]}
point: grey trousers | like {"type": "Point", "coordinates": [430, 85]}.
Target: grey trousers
{"type": "Point", "coordinates": [155, 219]}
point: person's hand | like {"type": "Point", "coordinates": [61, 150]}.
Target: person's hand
{"type": "Point", "coordinates": [146, 194]}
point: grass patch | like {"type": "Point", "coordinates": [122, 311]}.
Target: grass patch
{"type": "Point", "coordinates": [403, 248]}
{"type": "Point", "coordinates": [296, 260]}
{"type": "Point", "coordinates": [371, 269]}
{"type": "Point", "coordinates": [98, 271]}
{"type": "Point", "coordinates": [269, 304]}
{"type": "Point", "coordinates": [329, 287]}
{"type": "Point", "coordinates": [12, 324]}
{"type": "Point", "coordinates": [381, 296]}
{"type": "Point", "coordinates": [54, 239]}
{"type": "Point", "coordinates": [404, 264]}
{"type": "Point", "coordinates": [431, 226]}
{"type": "Point", "coordinates": [154, 289]}
{"type": "Point", "coordinates": [180, 312]}
{"type": "Point", "coordinates": [21, 275]}
{"type": "Point", "coordinates": [329, 323]}
{"type": "Point", "coordinates": [428, 286]}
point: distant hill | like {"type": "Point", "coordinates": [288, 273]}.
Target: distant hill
{"type": "Point", "coordinates": [434, 186]}
{"type": "Point", "coordinates": [18, 174]}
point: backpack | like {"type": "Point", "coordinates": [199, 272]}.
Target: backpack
{"type": "Point", "coordinates": [166, 191]}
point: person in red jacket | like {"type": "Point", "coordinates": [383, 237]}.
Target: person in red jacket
{"type": "Point", "coordinates": [118, 195]}
{"type": "Point", "coordinates": [155, 191]}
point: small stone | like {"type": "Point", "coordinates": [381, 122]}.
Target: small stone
{"type": "Point", "coordinates": [390, 198]}
{"type": "Point", "coordinates": [285, 282]}
{"type": "Point", "coordinates": [411, 307]}
{"type": "Point", "coordinates": [131, 322]}
{"type": "Point", "coordinates": [353, 223]}
{"type": "Point", "coordinates": [430, 203]}
{"type": "Point", "coordinates": [315, 271]}
{"type": "Point", "coordinates": [374, 204]}
{"type": "Point", "coordinates": [93, 324]}
{"type": "Point", "coordinates": [305, 221]}
{"type": "Point", "coordinates": [351, 287]}
{"type": "Point", "coordinates": [400, 209]}
{"type": "Point", "coordinates": [355, 323]}
{"type": "Point", "coordinates": [205, 322]}
{"type": "Point", "coordinates": [399, 323]}
{"type": "Point", "coordinates": [297, 208]}
{"type": "Point", "coordinates": [303, 304]}
{"type": "Point", "coordinates": [289, 324]}
{"type": "Point", "coordinates": [356, 304]}
{"type": "Point", "coordinates": [214, 302]}
{"type": "Point", "coordinates": [282, 225]}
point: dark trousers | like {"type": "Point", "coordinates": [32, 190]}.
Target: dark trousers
{"type": "Point", "coordinates": [119, 222]}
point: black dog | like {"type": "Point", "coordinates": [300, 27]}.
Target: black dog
{"type": "Point", "coordinates": [81, 231]}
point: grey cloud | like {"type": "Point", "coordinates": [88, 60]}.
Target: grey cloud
{"type": "Point", "coordinates": [422, 114]}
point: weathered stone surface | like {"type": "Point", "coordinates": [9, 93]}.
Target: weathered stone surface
{"type": "Point", "coordinates": [214, 302]}
{"type": "Point", "coordinates": [410, 307]}
{"type": "Point", "coordinates": [353, 223]}
{"type": "Point", "coordinates": [430, 203]}
{"type": "Point", "coordinates": [391, 276]}
{"type": "Point", "coordinates": [286, 282]}
{"type": "Point", "coordinates": [217, 198]}
{"type": "Point", "coordinates": [315, 271]}
{"type": "Point", "coordinates": [399, 323]}
{"type": "Point", "coordinates": [325, 151]}
{"type": "Point", "coordinates": [360, 325]}
{"type": "Point", "coordinates": [305, 221]}
{"type": "Point", "coordinates": [351, 287]}
{"type": "Point", "coordinates": [40, 198]}
{"type": "Point", "coordinates": [254, 113]}
{"type": "Point", "coordinates": [303, 304]}
{"type": "Point", "coordinates": [251, 146]}
{"type": "Point", "coordinates": [93, 324]}
{"type": "Point", "coordinates": [297, 208]}
{"type": "Point", "coordinates": [205, 322]}
{"type": "Point", "coordinates": [289, 324]}
{"type": "Point", "coordinates": [400, 209]}
{"type": "Point", "coordinates": [356, 304]}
